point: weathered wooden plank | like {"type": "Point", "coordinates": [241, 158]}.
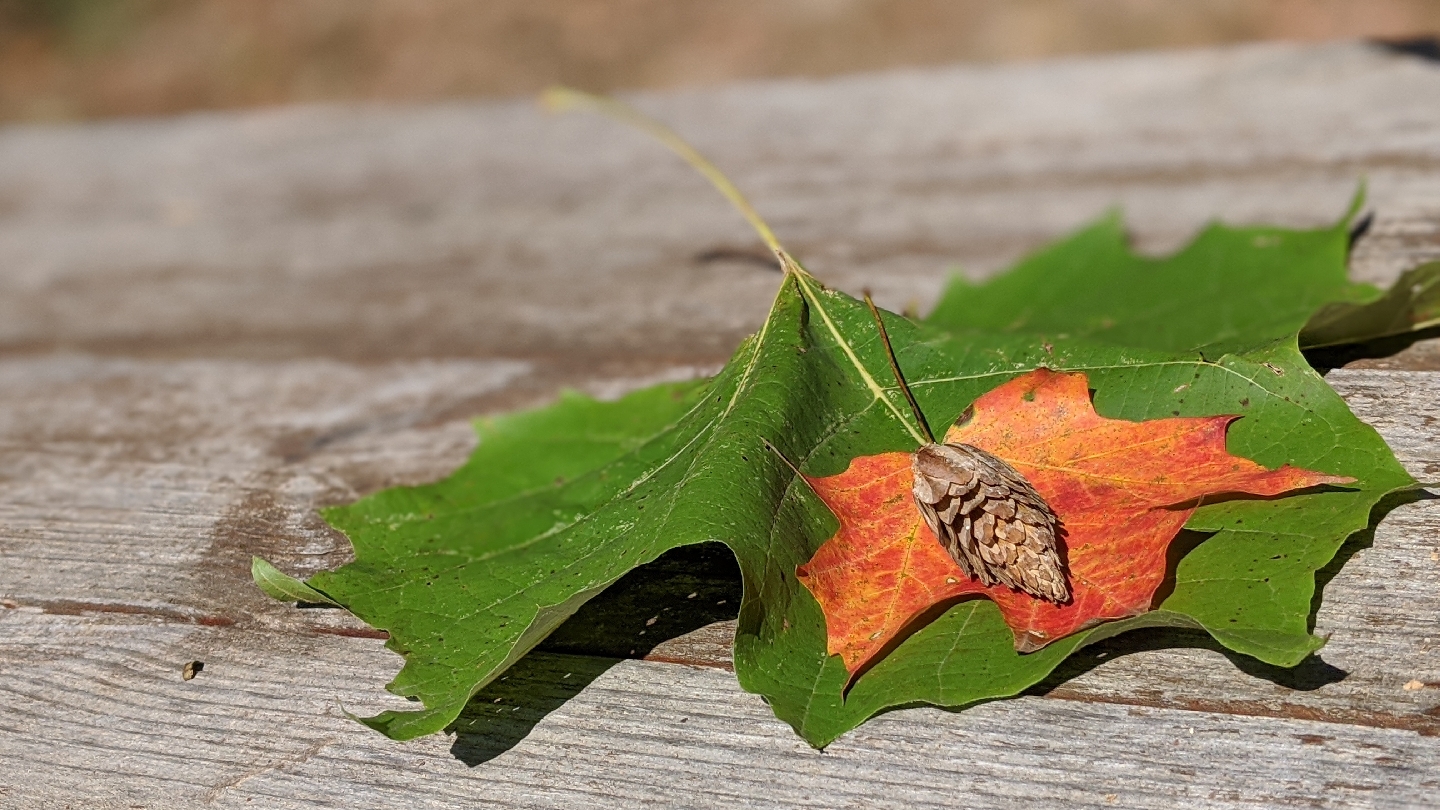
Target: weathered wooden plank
{"type": "Point", "coordinates": [96, 711]}
{"type": "Point", "coordinates": [118, 474]}
{"type": "Point", "coordinates": [492, 230]}
{"type": "Point", "coordinates": [132, 491]}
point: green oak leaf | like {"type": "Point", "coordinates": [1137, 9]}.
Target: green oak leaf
{"type": "Point", "coordinates": [1410, 305]}
{"type": "Point", "coordinates": [1228, 290]}
{"type": "Point", "coordinates": [470, 573]}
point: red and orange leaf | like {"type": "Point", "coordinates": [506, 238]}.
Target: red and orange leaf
{"type": "Point", "coordinates": [1122, 491]}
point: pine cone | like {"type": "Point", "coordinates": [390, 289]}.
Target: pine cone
{"type": "Point", "coordinates": [993, 523]}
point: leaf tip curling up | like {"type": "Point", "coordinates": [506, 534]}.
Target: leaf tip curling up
{"type": "Point", "coordinates": [279, 585]}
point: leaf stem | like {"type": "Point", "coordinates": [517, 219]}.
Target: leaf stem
{"type": "Point", "coordinates": [895, 367]}
{"type": "Point", "coordinates": [559, 99]}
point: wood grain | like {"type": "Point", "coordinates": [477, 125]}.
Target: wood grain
{"type": "Point", "coordinates": [105, 604]}
{"type": "Point", "coordinates": [211, 326]}
{"type": "Point", "coordinates": [373, 233]}
{"type": "Point", "coordinates": [100, 711]}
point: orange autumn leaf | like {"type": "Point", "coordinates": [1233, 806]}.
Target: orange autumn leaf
{"type": "Point", "coordinates": [1121, 490]}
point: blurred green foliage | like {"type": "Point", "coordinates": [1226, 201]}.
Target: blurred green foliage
{"type": "Point", "coordinates": [77, 24]}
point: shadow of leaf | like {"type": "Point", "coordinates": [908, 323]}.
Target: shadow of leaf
{"type": "Point", "coordinates": [505, 712]}
{"type": "Point", "coordinates": [1310, 674]}
{"type": "Point", "coordinates": [685, 589]}
{"type": "Point", "coordinates": [1326, 359]}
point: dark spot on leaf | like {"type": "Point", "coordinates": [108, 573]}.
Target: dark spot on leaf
{"type": "Point", "coordinates": [1245, 403]}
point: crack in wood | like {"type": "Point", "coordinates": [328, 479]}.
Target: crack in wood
{"type": "Point", "coordinates": [1420, 724]}
{"type": "Point", "coordinates": [75, 607]}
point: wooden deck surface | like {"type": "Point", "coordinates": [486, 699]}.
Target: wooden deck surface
{"type": "Point", "coordinates": [212, 325]}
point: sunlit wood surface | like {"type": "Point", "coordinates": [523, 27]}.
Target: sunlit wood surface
{"type": "Point", "coordinates": [212, 325]}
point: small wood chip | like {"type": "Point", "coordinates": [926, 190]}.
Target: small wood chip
{"type": "Point", "coordinates": [1413, 686]}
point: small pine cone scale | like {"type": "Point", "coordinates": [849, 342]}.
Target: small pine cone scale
{"type": "Point", "coordinates": [994, 525]}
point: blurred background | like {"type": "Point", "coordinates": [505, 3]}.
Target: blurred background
{"type": "Point", "coordinates": [77, 59]}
